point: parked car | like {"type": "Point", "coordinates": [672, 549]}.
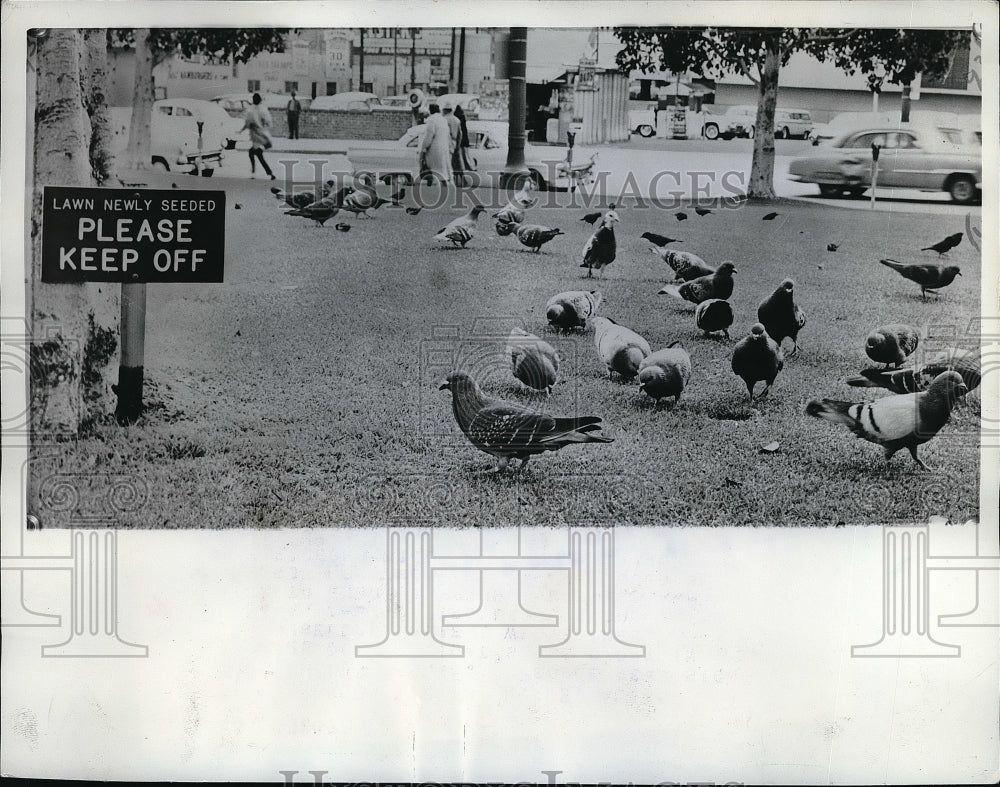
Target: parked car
{"type": "Point", "coordinates": [235, 104]}
{"type": "Point", "coordinates": [174, 137]}
{"type": "Point", "coordinates": [738, 121]}
{"type": "Point", "coordinates": [469, 102]}
{"type": "Point", "coordinates": [912, 157]}
{"type": "Point", "coordinates": [355, 100]}
{"type": "Point", "coordinates": [790, 123]}
{"type": "Point", "coordinates": [397, 160]}
{"type": "Point", "coordinates": [642, 121]}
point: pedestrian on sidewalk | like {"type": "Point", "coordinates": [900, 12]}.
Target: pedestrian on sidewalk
{"type": "Point", "coordinates": [293, 108]}
{"type": "Point", "coordinates": [462, 162]}
{"type": "Point", "coordinates": [257, 120]}
{"type": "Point", "coordinates": [435, 147]}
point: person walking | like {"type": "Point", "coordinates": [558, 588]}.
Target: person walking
{"type": "Point", "coordinates": [257, 120]}
{"type": "Point", "coordinates": [293, 108]}
{"type": "Point", "coordinates": [462, 162]}
{"type": "Point", "coordinates": [435, 147]}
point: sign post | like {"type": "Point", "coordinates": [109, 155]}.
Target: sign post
{"type": "Point", "coordinates": [875, 152]}
{"type": "Point", "coordinates": [132, 237]}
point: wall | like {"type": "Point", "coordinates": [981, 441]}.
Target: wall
{"type": "Point", "coordinates": [345, 124]}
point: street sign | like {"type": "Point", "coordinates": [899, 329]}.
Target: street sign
{"type": "Point", "coordinates": [132, 236]}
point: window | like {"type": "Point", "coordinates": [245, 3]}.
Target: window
{"type": "Point", "coordinates": [367, 87]}
{"type": "Point", "coordinates": [166, 110]}
{"type": "Point", "coordinates": [331, 88]}
{"type": "Point", "coordinates": [253, 86]}
{"type": "Point", "coordinates": [182, 113]}
{"type": "Point", "coordinates": [290, 86]}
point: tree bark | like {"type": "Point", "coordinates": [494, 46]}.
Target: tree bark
{"type": "Point", "coordinates": [74, 326]}
{"type": "Point", "coordinates": [761, 184]}
{"type": "Point", "coordinates": [904, 104]}
{"type": "Point", "coordinates": [137, 154]}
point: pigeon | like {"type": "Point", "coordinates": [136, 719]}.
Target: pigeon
{"type": "Point", "coordinates": [713, 285]}
{"type": "Point", "coordinates": [533, 361]}
{"type": "Point", "coordinates": [891, 344]}
{"type": "Point", "coordinates": [929, 276]}
{"type": "Point", "coordinates": [757, 357]}
{"type": "Point", "coordinates": [621, 349]}
{"type": "Point", "coordinates": [534, 236]}
{"type": "Point", "coordinates": [413, 211]}
{"type": "Point", "coordinates": [510, 214]}
{"type": "Point", "coordinates": [946, 245]}
{"type": "Point", "coordinates": [665, 372]}
{"type": "Point", "coordinates": [526, 197]}
{"type": "Point", "coordinates": [780, 315]}
{"type": "Point", "coordinates": [590, 218]}
{"type": "Point", "coordinates": [342, 227]}
{"type": "Point", "coordinates": [702, 211]}
{"type": "Point", "coordinates": [680, 215]}
{"type": "Point", "coordinates": [360, 201]}
{"type": "Point", "coordinates": [569, 310]}
{"type": "Point", "coordinates": [510, 431]}
{"type": "Point", "coordinates": [323, 209]}
{"type": "Point", "coordinates": [237, 206]}
{"type": "Point", "coordinates": [505, 228]}
{"type": "Point", "coordinates": [303, 198]}
{"type": "Point", "coordinates": [770, 217]}
{"type": "Point", "coordinates": [600, 248]}
{"type": "Point", "coordinates": [659, 240]}
{"type": "Point", "coordinates": [832, 246]}
{"type": "Point", "coordinates": [459, 231]}
{"type": "Point", "coordinates": [714, 315]}
{"type": "Point", "coordinates": [898, 421]}
{"type": "Point", "coordinates": [913, 379]}
{"type": "Point", "coordinates": [687, 266]}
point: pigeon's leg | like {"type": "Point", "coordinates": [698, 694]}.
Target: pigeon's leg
{"type": "Point", "coordinates": [913, 452]}
{"type": "Point", "coordinates": [767, 388]}
{"type": "Point", "coordinates": [795, 349]}
{"type": "Point", "coordinates": [524, 462]}
{"type": "Point", "coordinates": [750, 390]}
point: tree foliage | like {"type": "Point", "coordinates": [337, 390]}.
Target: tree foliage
{"type": "Point", "coordinates": [216, 45]}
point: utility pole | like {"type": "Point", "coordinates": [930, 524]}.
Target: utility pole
{"type": "Point", "coordinates": [517, 53]}
{"type": "Point", "coordinates": [451, 63]}
{"type": "Point", "coordinates": [395, 61]}
{"type": "Point", "coordinates": [413, 58]}
{"type": "Point", "coordinates": [461, 63]}
{"type": "Point", "coordinates": [361, 61]}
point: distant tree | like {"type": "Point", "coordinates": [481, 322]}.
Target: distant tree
{"type": "Point", "coordinates": [895, 56]}
{"type": "Point", "coordinates": [153, 46]}
{"type": "Point", "coordinates": [756, 53]}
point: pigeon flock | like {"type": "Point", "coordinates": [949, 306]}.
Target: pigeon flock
{"type": "Point", "coordinates": [917, 404]}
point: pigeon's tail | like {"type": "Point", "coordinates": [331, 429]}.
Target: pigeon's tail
{"type": "Point", "coordinates": [925, 248]}
{"type": "Point", "coordinates": [833, 411]}
{"type": "Point", "coordinates": [626, 361]}
{"type": "Point", "coordinates": [577, 430]}
{"type": "Point", "coordinates": [896, 266]}
{"type": "Point", "coordinates": [869, 378]}
{"type": "Point", "coordinates": [275, 190]}
{"type": "Point", "coordinates": [672, 290]}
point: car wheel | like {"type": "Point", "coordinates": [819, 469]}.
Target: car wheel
{"type": "Point", "coordinates": [160, 165]}
{"type": "Point", "coordinates": [855, 191]}
{"type": "Point", "coordinates": [207, 173]}
{"type": "Point", "coordinates": [830, 191]}
{"type": "Point", "coordinates": [711, 131]}
{"type": "Point", "coordinates": [750, 132]}
{"type": "Point", "coordinates": [783, 134]}
{"type": "Point", "coordinates": [645, 130]}
{"type": "Point", "coordinates": [962, 189]}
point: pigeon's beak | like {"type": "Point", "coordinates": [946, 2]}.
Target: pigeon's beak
{"type": "Point", "coordinates": [958, 273]}
{"type": "Point", "coordinates": [444, 386]}
{"type": "Point", "coordinates": [962, 389]}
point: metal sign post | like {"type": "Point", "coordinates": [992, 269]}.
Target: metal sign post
{"type": "Point", "coordinates": [875, 152]}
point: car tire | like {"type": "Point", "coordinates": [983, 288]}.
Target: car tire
{"type": "Point", "coordinates": [750, 132]}
{"type": "Point", "coordinates": [711, 131]}
{"type": "Point", "coordinates": [828, 190]}
{"type": "Point", "coordinates": [962, 189]}
{"type": "Point", "coordinates": [645, 130]}
{"type": "Point", "coordinates": [783, 133]}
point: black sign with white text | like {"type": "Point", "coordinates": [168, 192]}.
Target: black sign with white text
{"type": "Point", "coordinates": [133, 235]}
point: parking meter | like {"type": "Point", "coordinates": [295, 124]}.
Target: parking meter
{"type": "Point", "coordinates": [876, 149]}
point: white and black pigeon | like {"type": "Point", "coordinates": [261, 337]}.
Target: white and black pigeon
{"type": "Point", "coordinates": [757, 358]}
{"type": "Point", "coordinates": [918, 378]}
{"type": "Point", "coordinates": [461, 230]}
{"type": "Point", "coordinates": [899, 421]}
{"type": "Point", "coordinates": [715, 285]}
{"type": "Point", "coordinates": [892, 344]}
{"type": "Point", "coordinates": [714, 315]}
{"type": "Point", "coordinates": [781, 316]}
{"type": "Point", "coordinates": [510, 431]}
{"type": "Point", "coordinates": [600, 248]}
{"type": "Point", "coordinates": [534, 236]}
{"type": "Point", "coordinates": [686, 266]}
{"type": "Point", "coordinates": [620, 348]}
{"type": "Point", "coordinates": [665, 372]}
{"type": "Point", "coordinates": [533, 361]}
{"type": "Point", "coordinates": [570, 310]}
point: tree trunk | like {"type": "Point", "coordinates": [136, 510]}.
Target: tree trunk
{"type": "Point", "coordinates": [761, 184]}
{"type": "Point", "coordinates": [137, 155]}
{"type": "Point", "coordinates": [74, 326]}
{"type": "Point", "coordinates": [904, 104]}
{"type": "Point", "coordinates": [516, 54]}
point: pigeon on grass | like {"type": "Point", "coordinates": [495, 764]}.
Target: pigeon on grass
{"type": "Point", "coordinates": [892, 344]}
{"type": "Point", "coordinates": [620, 348]}
{"type": "Point", "coordinates": [600, 249]}
{"type": "Point", "coordinates": [919, 378]}
{"type": "Point", "coordinates": [507, 430]}
{"type": "Point", "coordinates": [714, 285]}
{"type": "Point", "coordinates": [714, 315]}
{"type": "Point", "coordinates": [929, 276]}
{"type": "Point", "coordinates": [460, 231]}
{"type": "Point", "coordinates": [757, 358]}
{"type": "Point", "coordinates": [534, 236]}
{"type": "Point", "coordinates": [781, 316]}
{"type": "Point", "coordinates": [900, 421]}
{"type": "Point", "coordinates": [946, 245]}
{"type": "Point", "coordinates": [686, 266]}
{"type": "Point", "coordinates": [665, 372]}
{"type": "Point", "coordinates": [533, 361]}
{"type": "Point", "coordinates": [659, 240]}
{"type": "Point", "coordinates": [572, 309]}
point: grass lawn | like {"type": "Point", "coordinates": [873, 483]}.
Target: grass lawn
{"type": "Point", "coordinates": [303, 392]}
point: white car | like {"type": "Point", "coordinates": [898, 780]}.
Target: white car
{"type": "Point", "coordinates": [175, 140]}
{"type": "Point", "coordinates": [355, 100]}
{"type": "Point", "coordinates": [642, 121]}
{"type": "Point", "coordinates": [848, 121]}
{"type": "Point", "coordinates": [488, 142]}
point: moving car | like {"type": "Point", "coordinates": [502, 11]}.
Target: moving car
{"type": "Point", "coordinates": [174, 134]}
{"type": "Point", "coordinates": [355, 100]}
{"type": "Point", "coordinates": [912, 157]}
{"type": "Point", "coordinates": [847, 121]}
{"type": "Point", "coordinates": [488, 142]}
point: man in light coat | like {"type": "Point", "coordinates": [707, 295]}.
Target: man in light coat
{"type": "Point", "coordinates": [454, 125]}
{"type": "Point", "coordinates": [436, 147]}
